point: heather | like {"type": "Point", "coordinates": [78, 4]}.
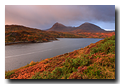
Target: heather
{"type": "Point", "coordinates": [95, 61]}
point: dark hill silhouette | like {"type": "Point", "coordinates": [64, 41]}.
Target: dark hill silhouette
{"type": "Point", "coordinates": [88, 27]}
{"type": "Point", "coordinates": [85, 27]}
{"type": "Point", "coordinates": [60, 27]}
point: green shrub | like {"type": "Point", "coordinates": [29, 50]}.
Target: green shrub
{"type": "Point", "coordinates": [71, 65]}
{"type": "Point", "coordinates": [36, 76]}
{"type": "Point", "coordinates": [7, 74]}
{"type": "Point", "coordinates": [57, 72]}
{"type": "Point", "coordinates": [43, 75]}
{"type": "Point", "coordinates": [93, 73]}
{"type": "Point", "coordinates": [94, 50]}
{"type": "Point", "coordinates": [107, 46]}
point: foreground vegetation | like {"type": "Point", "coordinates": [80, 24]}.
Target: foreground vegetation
{"type": "Point", "coordinates": [95, 61]}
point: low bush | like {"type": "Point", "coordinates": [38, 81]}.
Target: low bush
{"type": "Point", "coordinates": [7, 74]}
{"type": "Point", "coordinates": [69, 66]}
{"type": "Point", "coordinates": [107, 46]}
{"type": "Point", "coordinates": [93, 73]}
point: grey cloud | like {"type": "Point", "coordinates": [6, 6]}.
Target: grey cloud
{"type": "Point", "coordinates": [104, 12]}
{"type": "Point", "coordinates": [44, 16]}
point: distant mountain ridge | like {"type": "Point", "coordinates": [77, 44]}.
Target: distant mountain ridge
{"type": "Point", "coordinates": [20, 34]}
{"type": "Point", "coordinates": [85, 27]}
{"type": "Point", "coordinates": [60, 27]}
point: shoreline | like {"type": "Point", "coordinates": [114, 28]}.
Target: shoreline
{"type": "Point", "coordinates": [76, 64]}
{"type": "Point", "coordinates": [50, 43]}
{"type": "Point", "coordinates": [22, 42]}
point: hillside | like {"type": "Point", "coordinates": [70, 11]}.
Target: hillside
{"type": "Point", "coordinates": [18, 33]}
{"type": "Point", "coordinates": [60, 28]}
{"type": "Point", "coordinates": [95, 61]}
{"type": "Point", "coordinates": [86, 30]}
{"type": "Point", "coordinates": [85, 27]}
{"type": "Point", "coordinates": [22, 34]}
{"type": "Point", "coordinates": [88, 27]}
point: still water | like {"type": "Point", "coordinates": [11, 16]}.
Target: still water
{"type": "Point", "coordinates": [19, 55]}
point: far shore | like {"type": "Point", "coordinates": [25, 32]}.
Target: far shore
{"type": "Point", "coordinates": [22, 42]}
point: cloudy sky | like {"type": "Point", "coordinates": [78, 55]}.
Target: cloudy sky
{"type": "Point", "coordinates": [44, 16]}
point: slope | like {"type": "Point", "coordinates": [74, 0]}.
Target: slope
{"type": "Point", "coordinates": [85, 27]}
{"type": "Point", "coordinates": [22, 34]}
{"type": "Point", "coordinates": [88, 27]}
{"type": "Point", "coordinates": [95, 61]}
{"type": "Point", "coordinates": [60, 28]}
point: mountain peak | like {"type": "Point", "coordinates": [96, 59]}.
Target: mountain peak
{"type": "Point", "coordinates": [58, 27]}
{"type": "Point", "coordinates": [58, 24]}
{"type": "Point", "coordinates": [85, 27]}
{"type": "Point", "coordinates": [89, 27]}
{"type": "Point", "coordinates": [87, 23]}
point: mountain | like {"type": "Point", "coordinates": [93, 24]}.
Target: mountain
{"type": "Point", "coordinates": [88, 27]}
{"type": "Point", "coordinates": [22, 34]}
{"type": "Point", "coordinates": [85, 27]}
{"type": "Point", "coordinates": [60, 27]}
